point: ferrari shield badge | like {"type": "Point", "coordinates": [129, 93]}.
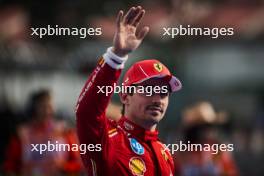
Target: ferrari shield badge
{"type": "Point", "coordinates": [158, 67]}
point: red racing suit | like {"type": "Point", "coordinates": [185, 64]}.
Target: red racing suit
{"type": "Point", "coordinates": [126, 148]}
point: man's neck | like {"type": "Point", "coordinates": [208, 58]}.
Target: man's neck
{"type": "Point", "coordinates": [146, 125]}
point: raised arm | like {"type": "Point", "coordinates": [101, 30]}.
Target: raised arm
{"type": "Point", "coordinates": [91, 105]}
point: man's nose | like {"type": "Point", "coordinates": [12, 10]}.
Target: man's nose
{"type": "Point", "coordinates": [156, 98]}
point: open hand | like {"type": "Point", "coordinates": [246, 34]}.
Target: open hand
{"type": "Point", "coordinates": [128, 37]}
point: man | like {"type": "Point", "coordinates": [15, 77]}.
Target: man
{"type": "Point", "coordinates": [201, 124]}
{"type": "Point", "coordinates": [129, 146]}
{"type": "Point", "coordinates": [42, 128]}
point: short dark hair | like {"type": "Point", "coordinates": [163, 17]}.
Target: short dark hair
{"type": "Point", "coordinates": [123, 110]}
{"type": "Point", "coordinates": [36, 98]}
{"type": "Point", "coordinates": [123, 106]}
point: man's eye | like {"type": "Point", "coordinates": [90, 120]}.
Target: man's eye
{"type": "Point", "coordinates": [164, 94]}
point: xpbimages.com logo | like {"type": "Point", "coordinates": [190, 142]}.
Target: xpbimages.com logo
{"type": "Point", "coordinates": [191, 147]}
{"type": "Point", "coordinates": [65, 31]}
{"type": "Point", "coordinates": [144, 90]}
{"type": "Point", "coordinates": [52, 146]}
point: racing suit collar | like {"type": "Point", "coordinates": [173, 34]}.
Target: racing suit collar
{"type": "Point", "coordinates": [137, 131]}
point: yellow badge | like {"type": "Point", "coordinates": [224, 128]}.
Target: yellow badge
{"type": "Point", "coordinates": [164, 154]}
{"type": "Point", "coordinates": [158, 67]}
{"type": "Point", "coordinates": [137, 166]}
{"type": "Point", "coordinates": [101, 61]}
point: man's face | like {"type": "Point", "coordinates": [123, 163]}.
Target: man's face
{"type": "Point", "coordinates": [45, 108]}
{"type": "Point", "coordinates": [148, 108]}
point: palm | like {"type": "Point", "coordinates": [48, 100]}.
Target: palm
{"type": "Point", "coordinates": [127, 38]}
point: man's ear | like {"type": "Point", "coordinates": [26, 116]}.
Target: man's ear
{"type": "Point", "coordinates": [123, 98]}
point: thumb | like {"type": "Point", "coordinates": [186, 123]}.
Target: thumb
{"type": "Point", "coordinates": [143, 33]}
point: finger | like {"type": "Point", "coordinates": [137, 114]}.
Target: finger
{"type": "Point", "coordinates": [128, 14]}
{"type": "Point", "coordinates": [133, 15]}
{"type": "Point", "coordinates": [119, 18]}
{"type": "Point", "coordinates": [138, 18]}
{"type": "Point", "coordinates": [143, 33]}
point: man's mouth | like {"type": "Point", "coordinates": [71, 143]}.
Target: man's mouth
{"type": "Point", "coordinates": [155, 108]}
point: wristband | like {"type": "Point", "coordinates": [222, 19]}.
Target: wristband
{"type": "Point", "coordinates": [113, 60]}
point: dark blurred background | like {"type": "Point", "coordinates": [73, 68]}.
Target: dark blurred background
{"type": "Point", "coordinates": [228, 71]}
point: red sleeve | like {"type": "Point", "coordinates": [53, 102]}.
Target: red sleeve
{"type": "Point", "coordinates": [91, 107]}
